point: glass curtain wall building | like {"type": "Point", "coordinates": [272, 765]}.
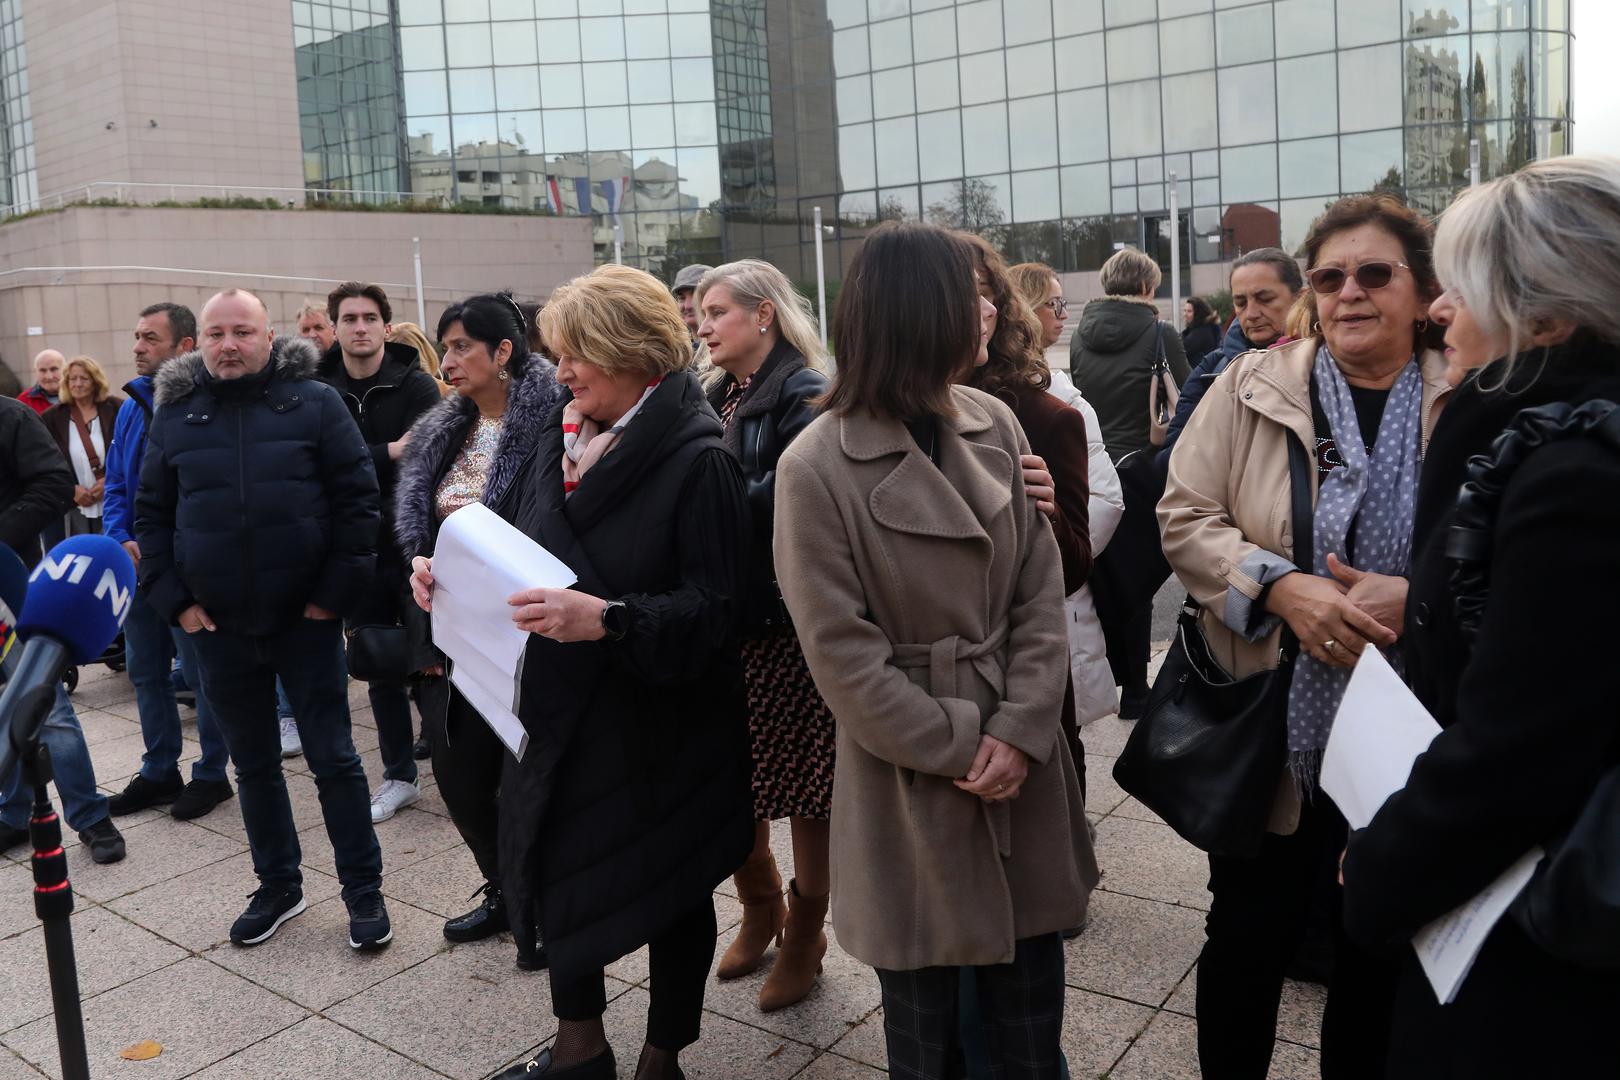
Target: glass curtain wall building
{"type": "Point", "coordinates": [695, 130]}
{"type": "Point", "coordinates": [19, 179]}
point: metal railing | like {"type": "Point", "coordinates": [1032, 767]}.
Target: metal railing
{"type": "Point", "coordinates": [144, 193]}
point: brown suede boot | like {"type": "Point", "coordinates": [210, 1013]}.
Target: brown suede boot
{"type": "Point", "coordinates": [759, 887]}
{"type": "Point", "coordinates": [804, 943]}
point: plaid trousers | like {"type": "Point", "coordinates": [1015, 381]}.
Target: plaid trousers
{"type": "Point", "coordinates": [1020, 1006]}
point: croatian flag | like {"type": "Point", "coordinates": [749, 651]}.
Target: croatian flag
{"type": "Point", "coordinates": [613, 191]}
{"type": "Point", "coordinates": [554, 196]}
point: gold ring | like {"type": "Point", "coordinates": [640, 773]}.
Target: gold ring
{"type": "Point", "coordinates": [1330, 643]}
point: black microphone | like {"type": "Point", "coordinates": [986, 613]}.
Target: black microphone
{"type": "Point", "coordinates": [78, 598]}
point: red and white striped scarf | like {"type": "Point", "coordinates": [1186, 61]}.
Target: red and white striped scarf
{"type": "Point", "coordinates": [585, 443]}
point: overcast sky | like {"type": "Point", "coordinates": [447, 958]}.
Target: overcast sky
{"type": "Point", "coordinates": [1597, 87]}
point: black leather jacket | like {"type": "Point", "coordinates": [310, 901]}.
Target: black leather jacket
{"type": "Point", "coordinates": [772, 412]}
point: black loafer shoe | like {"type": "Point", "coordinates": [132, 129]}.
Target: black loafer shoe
{"type": "Point", "coordinates": [421, 751]}
{"type": "Point", "coordinates": [141, 793]}
{"type": "Point", "coordinates": [534, 959]}
{"type": "Point", "coordinates": [105, 842]}
{"type": "Point", "coordinates": [485, 920]}
{"type": "Point", "coordinates": [600, 1067]}
{"type": "Point", "coordinates": [200, 797]}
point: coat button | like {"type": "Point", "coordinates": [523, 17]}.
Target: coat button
{"type": "Point", "coordinates": [1422, 616]}
{"type": "Point", "coordinates": [1248, 395]}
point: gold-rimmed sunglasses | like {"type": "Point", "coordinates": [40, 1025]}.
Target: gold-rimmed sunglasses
{"type": "Point", "coordinates": [1327, 280]}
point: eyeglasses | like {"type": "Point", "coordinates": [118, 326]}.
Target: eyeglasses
{"type": "Point", "coordinates": [1057, 305]}
{"type": "Point", "coordinates": [1328, 280]}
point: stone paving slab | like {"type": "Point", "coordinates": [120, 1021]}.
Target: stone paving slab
{"type": "Point", "coordinates": [151, 935]}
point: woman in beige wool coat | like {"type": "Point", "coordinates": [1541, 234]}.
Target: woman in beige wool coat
{"type": "Point", "coordinates": [926, 591]}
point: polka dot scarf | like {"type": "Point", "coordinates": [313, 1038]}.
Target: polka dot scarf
{"type": "Point", "coordinates": [1375, 495]}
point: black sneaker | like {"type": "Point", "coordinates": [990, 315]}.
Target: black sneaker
{"type": "Point", "coordinates": [268, 907]}
{"type": "Point", "coordinates": [534, 959]}
{"type": "Point", "coordinates": [369, 929]}
{"type": "Point", "coordinates": [200, 797]}
{"type": "Point", "coordinates": [421, 751]}
{"type": "Point", "coordinates": [141, 793]}
{"type": "Point", "coordinates": [105, 842]}
{"type": "Point", "coordinates": [485, 920]}
{"type": "Point", "coordinates": [11, 837]}
{"type": "Point", "coordinates": [187, 697]}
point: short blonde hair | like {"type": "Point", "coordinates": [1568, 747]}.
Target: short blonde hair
{"type": "Point", "coordinates": [90, 368]}
{"type": "Point", "coordinates": [312, 308]}
{"type": "Point", "coordinates": [1536, 244]}
{"type": "Point", "coordinates": [408, 333]}
{"type": "Point", "coordinates": [619, 319]}
{"type": "Point", "coordinates": [1129, 272]}
{"type": "Point", "coordinates": [751, 282]}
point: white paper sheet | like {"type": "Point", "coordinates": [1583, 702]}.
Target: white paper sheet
{"type": "Point", "coordinates": [479, 561]}
{"type": "Point", "coordinates": [1380, 730]}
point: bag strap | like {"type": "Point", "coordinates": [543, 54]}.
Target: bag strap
{"type": "Point", "coordinates": [1304, 520]}
{"type": "Point", "coordinates": [83, 428]}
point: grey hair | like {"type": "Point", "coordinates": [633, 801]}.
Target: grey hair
{"type": "Point", "coordinates": [1286, 265]}
{"type": "Point", "coordinates": [1539, 243]}
{"type": "Point", "coordinates": [1129, 272]}
{"type": "Point", "coordinates": [753, 281]}
{"type": "Point", "coordinates": [310, 307]}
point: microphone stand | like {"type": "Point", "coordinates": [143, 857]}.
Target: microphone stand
{"type": "Point", "coordinates": [53, 903]}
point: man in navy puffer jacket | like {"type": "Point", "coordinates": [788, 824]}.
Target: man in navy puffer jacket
{"type": "Point", "coordinates": [257, 521]}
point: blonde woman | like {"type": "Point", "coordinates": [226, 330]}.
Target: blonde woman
{"type": "Point", "coordinates": [408, 333]}
{"type": "Point", "coordinates": [767, 370]}
{"type": "Point", "coordinates": [82, 425]}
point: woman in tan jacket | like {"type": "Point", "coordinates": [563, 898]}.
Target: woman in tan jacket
{"type": "Point", "coordinates": [927, 593]}
{"type": "Point", "coordinates": [1362, 393]}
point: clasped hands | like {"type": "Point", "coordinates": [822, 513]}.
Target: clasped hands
{"type": "Point", "coordinates": [998, 771]}
{"type": "Point", "coordinates": [1336, 618]}
{"type": "Point", "coordinates": [558, 614]}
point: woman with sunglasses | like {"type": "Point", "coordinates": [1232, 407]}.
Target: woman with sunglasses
{"type": "Point", "coordinates": [1361, 393]}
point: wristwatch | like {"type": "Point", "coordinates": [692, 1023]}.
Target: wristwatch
{"type": "Point", "coordinates": [616, 620]}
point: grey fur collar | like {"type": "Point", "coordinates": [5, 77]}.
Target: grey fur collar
{"type": "Point", "coordinates": [293, 358]}
{"type": "Point", "coordinates": [439, 436]}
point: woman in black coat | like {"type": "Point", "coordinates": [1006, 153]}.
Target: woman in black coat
{"type": "Point", "coordinates": [1201, 329]}
{"type": "Point", "coordinates": [1527, 706]}
{"type": "Point", "coordinates": [632, 803]}
{"type": "Point", "coordinates": [470, 448]}
{"type": "Point", "coordinates": [767, 374]}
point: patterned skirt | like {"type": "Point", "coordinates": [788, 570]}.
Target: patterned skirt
{"type": "Point", "coordinates": [792, 731]}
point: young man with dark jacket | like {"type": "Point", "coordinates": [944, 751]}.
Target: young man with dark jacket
{"type": "Point", "coordinates": [257, 524]}
{"type": "Point", "coordinates": [386, 390]}
{"type": "Point", "coordinates": [163, 331]}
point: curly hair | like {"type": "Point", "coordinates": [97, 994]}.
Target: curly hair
{"type": "Point", "coordinates": [1016, 357]}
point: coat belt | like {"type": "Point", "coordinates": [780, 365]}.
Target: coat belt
{"type": "Point", "coordinates": [941, 658]}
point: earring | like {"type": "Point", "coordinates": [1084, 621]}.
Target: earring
{"type": "Point", "coordinates": [1423, 324]}
{"type": "Point", "coordinates": [763, 329]}
{"type": "Point", "coordinates": [1316, 326]}
{"type": "Point", "coordinates": [502, 376]}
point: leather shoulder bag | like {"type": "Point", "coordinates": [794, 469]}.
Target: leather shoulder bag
{"type": "Point", "coordinates": [1571, 908]}
{"type": "Point", "coordinates": [1209, 749]}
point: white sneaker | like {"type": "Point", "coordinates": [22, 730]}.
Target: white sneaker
{"type": "Point", "coordinates": [392, 797]}
{"type": "Point", "coordinates": [291, 744]}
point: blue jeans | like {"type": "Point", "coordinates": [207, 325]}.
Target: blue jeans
{"type": "Point", "coordinates": [238, 676]}
{"type": "Point", "coordinates": [284, 709]}
{"type": "Point", "coordinates": [396, 739]}
{"type": "Point", "coordinates": [150, 646]}
{"type": "Point", "coordinates": [82, 804]}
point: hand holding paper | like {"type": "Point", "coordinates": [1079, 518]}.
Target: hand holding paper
{"type": "Point", "coordinates": [479, 561]}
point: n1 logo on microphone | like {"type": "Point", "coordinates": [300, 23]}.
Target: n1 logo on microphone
{"type": "Point", "coordinates": [73, 568]}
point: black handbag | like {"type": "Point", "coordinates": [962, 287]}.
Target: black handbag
{"type": "Point", "coordinates": [1571, 907]}
{"type": "Point", "coordinates": [1209, 749]}
{"type": "Point", "coordinates": [379, 653]}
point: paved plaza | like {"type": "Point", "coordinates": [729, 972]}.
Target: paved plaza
{"type": "Point", "coordinates": [155, 963]}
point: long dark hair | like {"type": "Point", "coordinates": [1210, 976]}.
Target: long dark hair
{"type": "Point", "coordinates": [1016, 357]}
{"type": "Point", "coordinates": [907, 323]}
{"type": "Point", "coordinates": [1202, 312]}
{"type": "Point", "coordinates": [491, 318]}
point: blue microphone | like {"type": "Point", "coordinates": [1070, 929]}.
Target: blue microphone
{"type": "Point", "coordinates": [13, 587]}
{"type": "Point", "coordinates": [78, 598]}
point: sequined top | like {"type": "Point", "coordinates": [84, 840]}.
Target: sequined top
{"type": "Point", "coordinates": [464, 483]}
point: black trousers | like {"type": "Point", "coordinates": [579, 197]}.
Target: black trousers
{"type": "Point", "coordinates": [1021, 1010]}
{"type": "Point", "coordinates": [680, 959]}
{"type": "Point", "coordinates": [467, 761]}
{"type": "Point", "coordinates": [1257, 917]}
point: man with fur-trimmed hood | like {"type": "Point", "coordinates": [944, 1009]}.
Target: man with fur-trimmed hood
{"type": "Point", "coordinates": [257, 516]}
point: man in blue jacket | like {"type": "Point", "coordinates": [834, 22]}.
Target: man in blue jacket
{"type": "Point", "coordinates": [150, 643]}
{"type": "Point", "coordinates": [257, 522]}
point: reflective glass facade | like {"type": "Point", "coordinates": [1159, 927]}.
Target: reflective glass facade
{"type": "Point", "coordinates": [709, 130]}
{"type": "Point", "coordinates": [348, 95]}
{"type": "Point", "coordinates": [19, 180]}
